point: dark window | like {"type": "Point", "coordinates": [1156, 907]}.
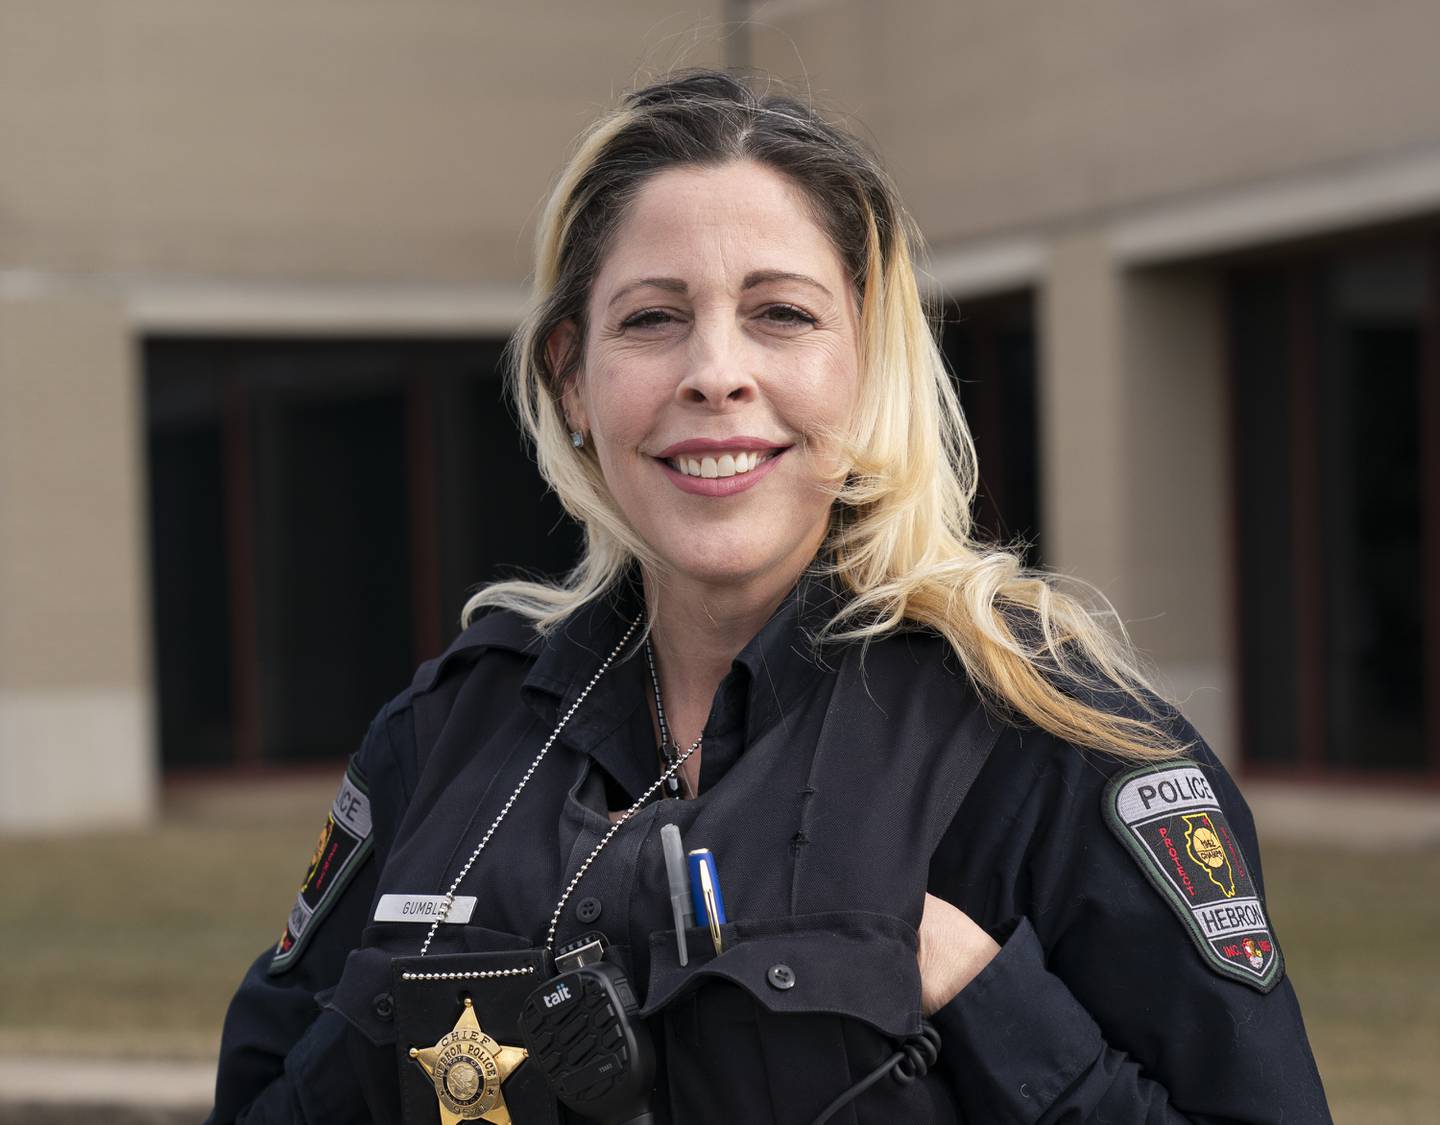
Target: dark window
{"type": "Point", "coordinates": [319, 510]}
{"type": "Point", "coordinates": [1334, 367]}
{"type": "Point", "coordinates": [189, 569]}
{"type": "Point", "coordinates": [989, 344]}
{"type": "Point", "coordinates": [334, 589]}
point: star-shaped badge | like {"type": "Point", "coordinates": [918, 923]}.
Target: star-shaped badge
{"type": "Point", "coordinates": [467, 1068]}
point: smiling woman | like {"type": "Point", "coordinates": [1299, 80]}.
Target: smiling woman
{"type": "Point", "coordinates": [958, 834]}
{"type": "Point", "coordinates": [722, 327]}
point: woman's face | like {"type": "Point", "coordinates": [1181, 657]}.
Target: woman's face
{"type": "Point", "coordinates": [723, 341]}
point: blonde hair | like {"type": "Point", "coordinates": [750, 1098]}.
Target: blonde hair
{"type": "Point", "coordinates": [901, 543]}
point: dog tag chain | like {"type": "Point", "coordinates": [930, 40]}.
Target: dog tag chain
{"type": "Point", "coordinates": [467, 1067]}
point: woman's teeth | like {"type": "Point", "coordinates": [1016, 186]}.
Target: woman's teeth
{"type": "Point", "coordinates": [726, 465]}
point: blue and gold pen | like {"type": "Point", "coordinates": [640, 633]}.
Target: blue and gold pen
{"type": "Point", "coordinates": [705, 888]}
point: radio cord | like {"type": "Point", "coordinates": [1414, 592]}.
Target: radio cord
{"type": "Point", "coordinates": [913, 1060]}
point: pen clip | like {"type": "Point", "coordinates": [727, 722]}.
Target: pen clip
{"type": "Point", "coordinates": [712, 912]}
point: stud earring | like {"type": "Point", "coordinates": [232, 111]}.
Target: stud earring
{"type": "Point", "coordinates": [577, 439]}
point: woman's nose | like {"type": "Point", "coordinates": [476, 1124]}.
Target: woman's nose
{"type": "Point", "coordinates": [716, 373]}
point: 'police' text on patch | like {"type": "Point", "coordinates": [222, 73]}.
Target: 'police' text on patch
{"type": "Point", "coordinates": [1169, 819]}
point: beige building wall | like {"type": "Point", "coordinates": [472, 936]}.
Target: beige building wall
{"type": "Point", "coordinates": [316, 140]}
{"type": "Point", "coordinates": [1100, 155]}
{"type": "Point", "coordinates": [212, 167]}
{"type": "Point", "coordinates": [998, 117]}
{"type": "Point", "coordinates": [1135, 462]}
{"type": "Point", "coordinates": [342, 166]}
{"type": "Point", "coordinates": [75, 693]}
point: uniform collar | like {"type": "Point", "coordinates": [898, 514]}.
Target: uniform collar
{"type": "Point", "coordinates": [782, 663]}
{"type": "Point", "coordinates": [574, 651]}
{"type": "Point", "coordinates": [779, 666]}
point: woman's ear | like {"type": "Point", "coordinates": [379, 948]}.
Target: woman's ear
{"type": "Point", "coordinates": [561, 348]}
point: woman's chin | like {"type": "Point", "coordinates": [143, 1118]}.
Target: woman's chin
{"type": "Point", "coordinates": [732, 565]}
{"type": "Point", "coordinates": [714, 572]}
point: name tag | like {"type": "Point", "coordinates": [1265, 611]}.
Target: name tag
{"type": "Point", "coordinates": [423, 908]}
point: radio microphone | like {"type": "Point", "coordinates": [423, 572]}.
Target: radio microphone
{"type": "Point", "coordinates": [584, 1031]}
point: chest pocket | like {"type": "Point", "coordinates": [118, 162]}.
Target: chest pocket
{"type": "Point", "coordinates": [788, 1017]}
{"type": "Point", "coordinates": [803, 1005]}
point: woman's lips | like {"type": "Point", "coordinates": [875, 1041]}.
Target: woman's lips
{"type": "Point", "coordinates": [721, 486]}
{"type": "Point", "coordinates": [701, 447]}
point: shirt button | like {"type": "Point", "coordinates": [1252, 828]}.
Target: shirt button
{"type": "Point", "coordinates": [781, 977]}
{"type": "Point", "coordinates": [587, 910]}
{"type": "Point", "coordinates": [383, 1006]}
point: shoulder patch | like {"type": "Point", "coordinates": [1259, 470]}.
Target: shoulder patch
{"type": "Point", "coordinates": [345, 842]}
{"type": "Point", "coordinates": [1167, 816]}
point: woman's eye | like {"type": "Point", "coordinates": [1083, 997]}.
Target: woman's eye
{"type": "Point", "coordinates": [646, 318]}
{"type": "Point", "coordinates": [788, 314]}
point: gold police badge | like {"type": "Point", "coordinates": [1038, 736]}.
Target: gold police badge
{"type": "Point", "coordinates": [468, 1069]}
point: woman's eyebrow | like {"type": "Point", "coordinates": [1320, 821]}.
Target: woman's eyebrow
{"type": "Point", "coordinates": [759, 277]}
{"type": "Point", "coordinates": [667, 284]}
{"type": "Point", "coordinates": [678, 285]}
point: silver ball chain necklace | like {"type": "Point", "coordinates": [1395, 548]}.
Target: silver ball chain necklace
{"type": "Point", "coordinates": [673, 761]}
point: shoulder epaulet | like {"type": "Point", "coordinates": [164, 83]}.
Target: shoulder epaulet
{"type": "Point", "coordinates": [500, 629]}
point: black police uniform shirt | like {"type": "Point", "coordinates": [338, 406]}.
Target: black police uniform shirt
{"type": "Point", "coordinates": [1108, 999]}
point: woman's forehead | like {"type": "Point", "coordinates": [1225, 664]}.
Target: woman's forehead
{"type": "Point", "coordinates": [733, 222]}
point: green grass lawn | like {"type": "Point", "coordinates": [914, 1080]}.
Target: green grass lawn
{"type": "Point", "coordinates": [139, 939]}
{"type": "Point", "coordinates": [1360, 940]}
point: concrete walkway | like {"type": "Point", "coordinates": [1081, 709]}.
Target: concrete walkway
{"type": "Point", "coordinates": [1355, 817]}
{"type": "Point", "coordinates": [42, 1090]}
